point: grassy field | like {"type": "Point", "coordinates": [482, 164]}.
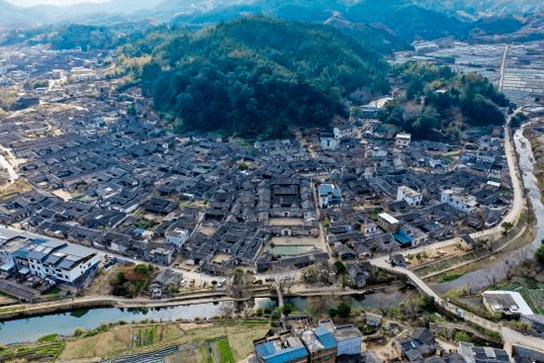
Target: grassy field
{"type": "Point", "coordinates": [11, 309]}
{"type": "Point", "coordinates": [146, 336]}
{"type": "Point", "coordinates": [532, 292]}
{"type": "Point", "coordinates": [48, 338]}
{"type": "Point", "coordinates": [131, 339]}
{"type": "Point", "coordinates": [224, 351]}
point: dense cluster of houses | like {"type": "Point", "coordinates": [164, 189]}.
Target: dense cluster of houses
{"type": "Point", "coordinates": [105, 174]}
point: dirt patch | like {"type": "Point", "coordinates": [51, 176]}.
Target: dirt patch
{"type": "Point", "coordinates": [433, 254]}
{"type": "Point", "coordinates": [294, 241]}
{"type": "Point", "coordinates": [18, 187]}
{"type": "Point", "coordinates": [186, 327]}
{"type": "Point", "coordinates": [285, 222]}
{"type": "Point", "coordinates": [208, 231]}
{"type": "Point", "coordinates": [101, 285]}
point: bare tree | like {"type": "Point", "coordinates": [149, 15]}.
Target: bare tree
{"type": "Point", "coordinates": [247, 310]}
{"type": "Point", "coordinates": [227, 308]}
{"type": "Point", "coordinates": [239, 281]}
{"type": "Point", "coordinates": [490, 276]}
{"type": "Point", "coordinates": [283, 282]}
{"type": "Point", "coordinates": [469, 287]}
{"type": "Point", "coordinates": [507, 268]}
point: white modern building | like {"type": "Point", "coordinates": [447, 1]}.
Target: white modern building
{"type": "Point", "coordinates": [328, 142]}
{"type": "Point", "coordinates": [459, 200]}
{"type": "Point", "coordinates": [177, 237]}
{"type": "Point", "coordinates": [509, 303]}
{"type": "Point", "coordinates": [409, 195]}
{"type": "Point", "coordinates": [348, 131]}
{"type": "Point", "coordinates": [329, 195]}
{"type": "Point", "coordinates": [402, 141]}
{"type": "Point", "coordinates": [60, 261]}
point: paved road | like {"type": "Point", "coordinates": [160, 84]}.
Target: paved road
{"type": "Point", "coordinates": [510, 337]}
{"type": "Point", "coordinates": [503, 68]}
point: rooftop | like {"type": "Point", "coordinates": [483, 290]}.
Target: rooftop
{"type": "Point", "coordinates": [509, 301]}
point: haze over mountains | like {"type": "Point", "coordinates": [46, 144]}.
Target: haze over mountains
{"type": "Point", "coordinates": [211, 10]}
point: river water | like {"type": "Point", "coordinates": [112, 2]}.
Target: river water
{"type": "Point", "coordinates": [31, 329]}
{"type": "Point", "coordinates": [477, 280]}
{"type": "Point", "coordinates": [65, 324]}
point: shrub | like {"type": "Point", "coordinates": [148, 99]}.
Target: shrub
{"type": "Point", "coordinates": [243, 166]}
{"type": "Point", "coordinates": [141, 269]}
{"type": "Point", "coordinates": [462, 336]}
{"type": "Point", "coordinates": [344, 309]}
{"type": "Point", "coordinates": [288, 308]}
{"type": "Point", "coordinates": [539, 254]}
{"type": "Point", "coordinates": [428, 304]}
{"type": "Point", "coordinates": [340, 267]}
{"type": "Point", "coordinates": [332, 312]}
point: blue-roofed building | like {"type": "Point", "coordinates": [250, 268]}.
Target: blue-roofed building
{"type": "Point", "coordinates": [325, 337]}
{"type": "Point", "coordinates": [320, 343]}
{"type": "Point", "coordinates": [285, 348]}
{"type": "Point", "coordinates": [348, 338]}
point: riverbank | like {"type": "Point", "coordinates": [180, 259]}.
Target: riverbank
{"type": "Point", "coordinates": [126, 339]}
{"type": "Point", "coordinates": [29, 310]}
{"type": "Point", "coordinates": [187, 299]}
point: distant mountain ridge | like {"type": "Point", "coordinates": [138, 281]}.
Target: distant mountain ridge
{"type": "Point", "coordinates": [11, 15]}
{"type": "Point", "coordinates": [476, 9]}
{"type": "Point", "coordinates": [314, 10]}
{"type": "Point", "coordinates": [384, 25]}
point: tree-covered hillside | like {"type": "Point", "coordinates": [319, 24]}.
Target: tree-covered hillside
{"type": "Point", "coordinates": [441, 101]}
{"type": "Point", "coordinates": [68, 37]}
{"type": "Point", "coordinates": [254, 77]}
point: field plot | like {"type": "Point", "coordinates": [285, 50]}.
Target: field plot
{"type": "Point", "coordinates": [234, 337]}
{"type": "Point", "coordinates": [44, 352]}
{"type": "Point", "coordinates": [523, 72]}
{"type": "Point", "coordinates": [188, 353]}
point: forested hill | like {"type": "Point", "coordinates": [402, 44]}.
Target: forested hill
{"type": "Point", "coordinates": [441, 103]}
{"type": "Point", "coordinates": [67, 36]}
{"type": "Point", "coordinates": [255, 77]}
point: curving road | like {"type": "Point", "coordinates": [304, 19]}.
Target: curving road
{"type": "Point", "coordinates": [525, 174]}
{"type": "Point", "coordinates": [509, 336]}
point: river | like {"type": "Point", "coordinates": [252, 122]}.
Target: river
{"type": "Point", "coordinates": [65, 324]}
{"type": "Point", "coordinates": [477, 280]}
